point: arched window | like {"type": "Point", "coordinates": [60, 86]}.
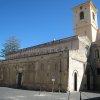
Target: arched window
{"type": "Point", "coordinates": [93, 15]}
{"type": "Point", "coordinates": [96, 53]}
{"type": "Point", "coordinates": [81, 15]}
{"type": "Point", "coordinates": [75, 81]}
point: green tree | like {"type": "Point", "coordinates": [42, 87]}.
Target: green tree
{"type": "Point", "coordinates": [12, 44]}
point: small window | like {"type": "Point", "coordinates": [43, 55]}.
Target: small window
{"type": "Point", "coordinates": [98, 71]}
{"type": "Point", "coordinates": [96, 53]}
{"type": "Point", "coordinates": [93, 15]}
{"type": "Point", "coordinates": [81, 15]}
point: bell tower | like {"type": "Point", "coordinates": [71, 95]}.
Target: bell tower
{"type": "Point", "coordinates": [85, 20]}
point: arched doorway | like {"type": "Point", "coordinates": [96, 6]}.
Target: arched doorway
{"type": "Point", "coordinates": [75, 81]}
{"type": "Point", "coordinates": [19, 80]}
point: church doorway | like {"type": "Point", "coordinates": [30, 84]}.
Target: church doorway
{"type": "Point", "coordinates": [19, 80]}
{"type": "Point", "coordinates": [75, 81]}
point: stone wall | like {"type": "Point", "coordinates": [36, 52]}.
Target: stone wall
{"type": "Point", "coordinates": [37, 72]}
{"type": "Point", "coordinates": [40, 64]}
{"type": "Point", "coordinates": [53, 46]}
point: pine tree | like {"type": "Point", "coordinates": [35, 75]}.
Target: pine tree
{"type": "Point", "coordinates": [12, 44]}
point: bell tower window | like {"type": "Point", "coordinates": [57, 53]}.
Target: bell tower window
{"type": "Point", "coordinates": [81, 15]}
{"type": "Point", "coordinates": [93, 15]}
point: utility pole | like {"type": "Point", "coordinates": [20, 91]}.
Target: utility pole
{"type": "Point", "coordinates": [53, 83]}
{"type": "Point", "coordinates": [60, 76]}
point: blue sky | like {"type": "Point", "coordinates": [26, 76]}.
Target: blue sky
{"type": "Point", "coordinates": [37, 21]}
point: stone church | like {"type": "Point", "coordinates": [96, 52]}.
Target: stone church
{"type": "Point", "coordinates": [69, 64]}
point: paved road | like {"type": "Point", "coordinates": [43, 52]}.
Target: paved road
{"type": "Point", "coordinates": [15, 94]}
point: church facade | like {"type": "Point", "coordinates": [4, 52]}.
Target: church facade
{"type": "Point", "coordinates": [69, 64]}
